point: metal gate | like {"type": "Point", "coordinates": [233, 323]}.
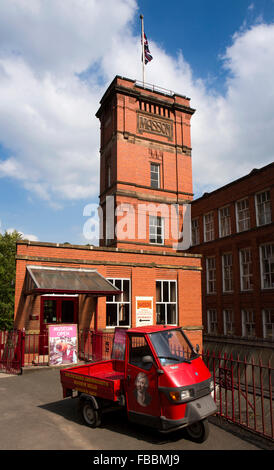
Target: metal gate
{"type": "Point", "coordinates": [11, 351]}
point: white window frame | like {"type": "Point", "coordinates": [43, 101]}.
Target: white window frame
{"type": "Point", "coordinates": [246, 269]}
{"type": "Point", "coordinates": [156, 226]}
{"type": "Point", "coordinates": [209, 235]}
{"type": "Point", "coordinates": [263, 208]}
{"type": "Point", "coordinates": [169, 302]}
{"type": "Point", "coordinates": [248, 323]}
{"type": "Point", "coordinates": [212, 321]}
{"type": "Point", "coordinates": [211, 275]}
{"type": "Point", "coordinates": [267, 277]}
{"type": "Point", "coordinates": [242, 215]}
{"type": "Point", "coordinates": [224, 221]}
{"type": "Point", "coordinates": [229, 321]}
{"type": "Point", "coordinates": [268, 323]}
{"type": "Point", "coordinates": [154, 175]}
{"type": "Point", "coordinates": [195, 232]}
{"type": "Point", "coordinates": [119, 302]}
{"type": "Point", "coordinates": [230, 268]}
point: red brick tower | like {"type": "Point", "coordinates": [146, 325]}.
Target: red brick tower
{"type": "Point", "coordinates": [145, 165]}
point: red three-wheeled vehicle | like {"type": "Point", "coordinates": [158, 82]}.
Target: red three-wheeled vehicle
{"type": "Point", "coordinates": [155, 373]}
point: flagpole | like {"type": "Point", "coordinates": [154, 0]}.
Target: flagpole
{"type": "Point", "coordinates": [143, 48]}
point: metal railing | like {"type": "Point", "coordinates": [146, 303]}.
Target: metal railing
{"type": "Point", "coordinates": [11, 351]}
{"type": "Point", "coordinates": [243, 391]}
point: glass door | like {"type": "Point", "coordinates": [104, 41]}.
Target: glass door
{"type": "Point", "coordinates": [55, 310]}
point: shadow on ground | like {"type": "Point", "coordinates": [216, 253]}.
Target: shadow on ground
{"type": "Point", "coordinates": [115, 421]}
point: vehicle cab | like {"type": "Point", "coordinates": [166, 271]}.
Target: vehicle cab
{"type": "Point", "coordinates": [167, 385]}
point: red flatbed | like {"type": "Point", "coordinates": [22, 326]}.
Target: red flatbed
{"type": "Point", "coordinates": [103, 379]}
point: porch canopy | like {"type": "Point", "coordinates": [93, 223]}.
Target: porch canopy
{"type": "Point", "coordinates": [56, 280]}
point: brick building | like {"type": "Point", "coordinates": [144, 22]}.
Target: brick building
{"type": "Point", "coordinates": [233, 228]}
{"type": "Point", "coordinates": [136, 276]}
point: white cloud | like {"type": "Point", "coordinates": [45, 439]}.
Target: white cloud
{"type": "Point", "coordinates": [47, 113]}
{"type": "Point", "coordinates": [25, 236]}
{"type": "Point", "coordinates": [235, 133]}
{"type": "Point", "coordinates": [47, 107]}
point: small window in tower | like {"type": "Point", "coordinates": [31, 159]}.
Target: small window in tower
{"type": "Point", "coordinates": [154, 175]}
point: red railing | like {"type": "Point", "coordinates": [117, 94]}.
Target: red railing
{"type": "Point", "coordinates": [94, 346]}
{"type": "Point", "coordinates": [35, 350]}
{"type": "Point", "coordinates": [11, 351]}
{"type": "Point", "coordinates": [243, 391]}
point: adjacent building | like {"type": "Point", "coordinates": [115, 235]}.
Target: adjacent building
{"type": "Point", "coordinates": [233, 228]}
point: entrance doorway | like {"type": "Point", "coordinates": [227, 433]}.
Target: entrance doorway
{"type": "Point", "coordinates": [54, 310]}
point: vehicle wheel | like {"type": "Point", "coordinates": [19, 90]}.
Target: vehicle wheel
{"type": "Point", "coordinates": [90, 414]}
{"type": "Point", "coordinates": [199, 431]}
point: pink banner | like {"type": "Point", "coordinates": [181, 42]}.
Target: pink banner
{"type": "Point", "coordinates": [63, 341]}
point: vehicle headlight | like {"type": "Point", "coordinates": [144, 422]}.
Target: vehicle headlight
{"type": "Point", "coordinates": [185, 395]}
{"type": "Point", "coordinates": [211, 385]}
{"type": "Point", "coordinates": [180, 396]}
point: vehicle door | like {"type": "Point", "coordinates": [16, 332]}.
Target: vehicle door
{"type": "Point", "coordinates": [141, 381]}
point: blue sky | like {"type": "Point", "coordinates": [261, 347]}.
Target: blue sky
{"type": "Point", "coordinates": [202, 29]}
{"type": "Point", "coordinates": [56, 60]}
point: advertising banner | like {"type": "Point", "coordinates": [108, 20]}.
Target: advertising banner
{"type": "Point", "coordinates": [63, 340]}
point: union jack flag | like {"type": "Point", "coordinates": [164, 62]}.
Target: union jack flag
{"type": "Point", "coordinates": [148, 56]}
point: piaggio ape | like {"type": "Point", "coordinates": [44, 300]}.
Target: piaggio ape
{"type": "Point", "coordinates": [155, 373]}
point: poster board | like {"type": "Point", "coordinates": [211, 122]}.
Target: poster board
{"type": "Point", "coordinates": [144, 311]}
{"type": "Point", "coordinates": [63, 344]}
{"type": "Point", "coordinates": [119, 344]}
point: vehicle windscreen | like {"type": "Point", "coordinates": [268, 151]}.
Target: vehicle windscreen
{"type": "Point", "coordinates": [172, 347]}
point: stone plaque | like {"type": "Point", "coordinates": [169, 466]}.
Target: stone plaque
{"type": "Point", "coordinates": [155, 125]}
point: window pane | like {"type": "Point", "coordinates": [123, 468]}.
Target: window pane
{"type": "Point", "coordinates": [225, 223]}
{"type": "Point", "coordinates": [123, 314]}
{"type": "Point", "coordinates": [172, 291]}
{"type": "Point", "coordinates": [209, 227]}
{"type": "Point", "coordinates": [160, 314]}
{"type": "Point", "coordinates": [171, 314]}
{"type": "Point", "coordinates": [267, 257]}
{"type": "Point", "coordinates": [137, 350]}
{"type": "Point", "coordinates": [118, 307]}
{"type": "Point", "coordinates": [166, 302]}
{"type": "Point", "coordinates": [154, 175]}
{"type": "Point", "coordinates": [156, 229]}
{"type": "Point", "coordinates": [158, 291]}
{"type": "Point", "coordinates": [126, 291]}
{"type": "Point", "coordinates": [165, 292]}
{"type": "Point", "coordinates": [50, 311]}
{"type": "Point", "coordinates": [67, 311]}
{"type": "Point", "coordinates": [111, 314]}
{"type": "Point", "coordinates": [263, 208]}
{"type": "Point", "coordinates": [118, 284]}
{"type": "Point", "coordinates": [110, 298]}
